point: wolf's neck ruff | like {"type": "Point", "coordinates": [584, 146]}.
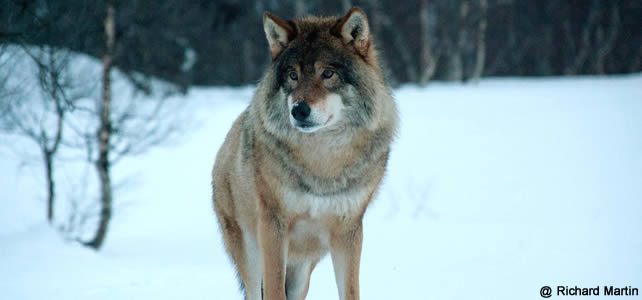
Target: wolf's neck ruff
{"type": "Point", "coordinates": [372, 148]}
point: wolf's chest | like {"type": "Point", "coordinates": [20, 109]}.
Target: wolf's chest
{"type": "Point", "coordinates": [346, 203]}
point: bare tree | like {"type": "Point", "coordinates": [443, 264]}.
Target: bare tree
{"type": "Point", "coordinates": [104, 131]}
{"type": "Point", "coordinates": [480, 53]}
{"type": "Point", "coordinates": [49, 145]}
{"type": "Point", "coordinates": [247, 69]}
{"type": "Point", "coordinates": [605, 39]}
{"type": "Point", "coordinates": [127, 125]}
{"type": "Point", "coordinates": [346, 5]}
{"type": "Point", "coordinates": [583, 52]}
{"type": "Point", "coordinates": [428, 62]}
{"type": "Point", "coordinates": [456, 61]}
{"type": "Point", "coordinates": [299, 8]}
{"type": "Point", "coordinates": [381, 21]}
{"type": "Point", "coordinates": [66, 114]}
{"type": "Point", "coordinates": [636, 63]}
{"type": "Point", "coordinates": [41, 120]}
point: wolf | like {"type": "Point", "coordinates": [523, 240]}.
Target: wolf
{"type": "Point", "coordinates": [301, 164]}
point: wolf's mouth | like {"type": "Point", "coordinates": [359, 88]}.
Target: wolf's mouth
{"type": "Point", "coordinates": [306, 126]}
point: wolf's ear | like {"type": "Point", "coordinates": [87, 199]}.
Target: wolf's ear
{"type": "Point", "coordinates": [353, 28]}
{"type": "Point", "coordinates": [278, 32]}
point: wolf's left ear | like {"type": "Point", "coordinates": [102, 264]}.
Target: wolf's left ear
{"type": "Point", "coordinates": [353, 28]}
{"type": "Point", "coordinates": [278, 32]}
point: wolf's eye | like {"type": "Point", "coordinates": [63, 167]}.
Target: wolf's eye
{"type": "Point", "coordinates": [327, 74]}
{"type": "Point", "coordinates": [293, 75]}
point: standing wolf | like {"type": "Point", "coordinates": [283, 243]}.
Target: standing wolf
{"type": "Point", "coordinates": [301, 164]}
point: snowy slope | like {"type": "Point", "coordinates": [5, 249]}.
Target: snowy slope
{"type": "Point", "coordinates": [493, 191]}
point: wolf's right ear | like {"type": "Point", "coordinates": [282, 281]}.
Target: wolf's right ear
{"type": "Point", "coordinates": [278, 32]}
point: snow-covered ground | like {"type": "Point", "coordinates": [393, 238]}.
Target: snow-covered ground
{"type": "Point", "coordinates": [493, 191]}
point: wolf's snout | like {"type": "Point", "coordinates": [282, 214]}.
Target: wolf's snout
{"type": "Point", "coordinates": [300, 111]}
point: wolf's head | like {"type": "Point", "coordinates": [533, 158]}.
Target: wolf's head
{"type": "Point", "coordinates": [324, 73]}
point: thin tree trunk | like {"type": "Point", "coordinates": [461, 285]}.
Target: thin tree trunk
{"type": "Point", "coordinates": [585, 46]}
{"type": "Point", "coordinates": [405, 55]}
{"type": "Point", "coordinates": [456, 71]}
{"type": "Point", "coordinates": [379, 21]}
{"type": "Point", "coordinates": [428, 62]}
{"type": "Point", "coordinates": [636, 63]}
{"type": "Point", "coordinates": [605, 46]}
{"type": "Point", "coordinates": [51, 191]}
{"type": "Point", "coordinates": [346, 5]}
{"type": "Point", "coordinates": [398, 41]}
{"type": "Point", "coordinates": [299, 8]}
{"type": "Point", "coordinates": [104, 133]}
{"type": "Point", "coordinates": [501, 56]}
{"type": "Point", "coordinates": [480, 57]}
{"type": "Point", "coordinates": [248, 70]}
{"type": "Point", "coordinates": [50, 151]}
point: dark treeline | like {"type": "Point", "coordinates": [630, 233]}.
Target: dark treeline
{"type": "Point", "coordinates": [222, 42]}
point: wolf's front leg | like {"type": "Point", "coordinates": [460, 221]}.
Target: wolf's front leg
{"type": "Point", "coordinates": [345, 244]}
{"type": "Point", "coordinates": [273, 246]}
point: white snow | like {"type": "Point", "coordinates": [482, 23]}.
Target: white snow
{"type": "Point", "coordinates": [493, 190]}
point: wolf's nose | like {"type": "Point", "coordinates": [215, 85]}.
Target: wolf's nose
{"type": "Point", "coordinates": [301, 111]}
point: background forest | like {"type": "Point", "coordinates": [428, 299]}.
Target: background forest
{"type": "Point", "coordinates": [222, 42]}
